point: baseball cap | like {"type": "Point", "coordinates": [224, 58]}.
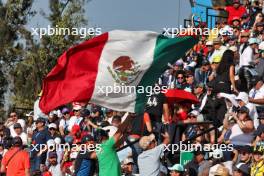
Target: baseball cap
{"type": "Point", "coordinates": [146, 140]}
{"type": "Point", "coordinates": [77, 107]}
{"type": "Point", "coordinates": [243, 109]}
{"type": "Point", "coordinates": [245, 33]}
{"type": "Point", "coordinates": [17, 141]}
{"type": "Point", "coordinates": [242, 167]}
{"type": "Point", "coordinates": [217, 41]}
{"type": "Point", "coordinates": [41, 119]}
{"type": "Point", "coordinates": [179, 63]}
{"type": "Point", "coordinates": [243, 96]}
{"type": "Point", "coordinates": [31, 113]}
{"type": "Point", "coordinates": [74, 155]}
{"type": "Point", "coordinates": [52, 155]}
{"type": "Point", "coordinates": [233, 48]}
{"type": "Point", "coordinates": [85, 113]}
{"type": "Point", "coordinates": [108, 110]}
{"type": "Point", "coordinates": [128, 161]}
{"type": "Point", "coordinates": [209, 43]}
{"type": "Point", "coordinates": [176, 167]}
{"type": "Point", "coordinates": [205, 62]}
{"type": "Point", "coordinates": [17, 125]}
{"type": "Point", "coordinates": [194, 112]}
{"type": "Point", "coordinates": [244, 148]}
{"type": "Point", "coordinates": [236, 1]}
{"type": "Point", "coordinates": [253, 41]}
{"type": "Point", "coordinates": [65, 110]}
{"type": "Point", "coordinates": [87, 138]}
{"type": "Point", "coordinates": [52, 125]}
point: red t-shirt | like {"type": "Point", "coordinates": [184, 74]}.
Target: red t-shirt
{"type": "Point", "coordinates": [18, 163]}
{"type": "Point", "coordinates": [233, 12]}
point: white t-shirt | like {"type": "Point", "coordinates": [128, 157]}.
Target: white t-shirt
{"type": "Point", "coordinates": [257, 94]}
{"type": "Point", "coordinates": [11, 127]}
{"type": "Point", "coordinates": [74, 120]}
{"type": "Point", "coordinates": [238, 137]}
{"type": "Point", "coordinates": [55, 170]}
{"type": "Point", "coordinates": [23, 136]}
{"type": "Point", "coordinates": [246, 57]}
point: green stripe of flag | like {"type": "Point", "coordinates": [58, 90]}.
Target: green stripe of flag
{"type": "Point", "coordinates": [167, 50]}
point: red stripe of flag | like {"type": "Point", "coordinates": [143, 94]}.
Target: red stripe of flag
{"type": "Point", "coordinates": [74, 76]}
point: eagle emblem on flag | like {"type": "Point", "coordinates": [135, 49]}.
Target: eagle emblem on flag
{"type": "Point", "coordinates": [124, 70]}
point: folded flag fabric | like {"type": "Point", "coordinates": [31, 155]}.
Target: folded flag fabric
{"type": "Point", "coordinates": [114, 59]}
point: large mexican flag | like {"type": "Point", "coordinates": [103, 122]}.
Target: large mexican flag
{"type": "Point", "coordinates": [117, 58]}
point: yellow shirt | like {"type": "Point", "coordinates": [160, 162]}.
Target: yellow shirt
{"type": "Point", "coordinates": [257, 169]}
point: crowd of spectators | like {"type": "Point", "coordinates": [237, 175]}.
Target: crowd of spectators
{"type": "Point", "coordinates": [224, 71]}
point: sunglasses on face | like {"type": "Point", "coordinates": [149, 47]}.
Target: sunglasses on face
{"type": "Point", "coordinates": [76, 110]}
{"type": "Point", "coordinates": [52, 129]}
{"type": "Point", "coordinates": [13, 115]}
{"type": "Point", "coordinates": [179, 77]}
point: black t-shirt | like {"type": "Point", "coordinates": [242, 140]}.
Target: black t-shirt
{"type": "Point", "coordinates": [84, 165]}
{"type": "Point", "coordinates": [154, 106]}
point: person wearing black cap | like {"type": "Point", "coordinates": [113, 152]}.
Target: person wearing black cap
{"type": "Point", "coordinates": [54, 166]}
{"type": "Point", "coordinates": [241, 170]}
{"type": "Point", "coordinates": [84, 166]}
{"type": "Point", "coordinates": [193, 166]}
{"type": "Point", "coordinates": [19, 132]}
{"type": "Point", "coordinates": [40, 137]}
{"type": "Point", "coordinates": [107, 156]}
{"type": "Point", "coordinates": [16, 161]}
{"type": "Point", "coordinates": [243, 154]}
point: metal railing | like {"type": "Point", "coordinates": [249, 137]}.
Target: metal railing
{"type": "Point", "coordinates": [211, 18]}
{"type": "Point", "coordinates": [215, 128]}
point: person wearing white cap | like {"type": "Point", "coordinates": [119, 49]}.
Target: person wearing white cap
{"type": "Point", "coordinates": [246, 59]}
{"type": "Point", "coordinates": [176, 170]}
{"type": "Point", "coordinates": [76, 119]}
{"type": "Point", "coordinates": [210, 49]}
{"type": "Point", "coordinates": [243, 100]}
{"type": "Point", "coordinates": [151, 154]}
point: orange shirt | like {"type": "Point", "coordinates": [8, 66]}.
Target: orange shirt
{"type": "Point", "coordinates": [18, 164]}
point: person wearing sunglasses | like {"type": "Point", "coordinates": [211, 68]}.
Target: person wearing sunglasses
{"type": "Point", "coordinates": [76, 119]}
{"type": "Point", "coordinates": [180, 80]}
{"type": "Point", "coordinates": [176, 170]}
{"type": "Point", "coordinates": [13, 118]}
